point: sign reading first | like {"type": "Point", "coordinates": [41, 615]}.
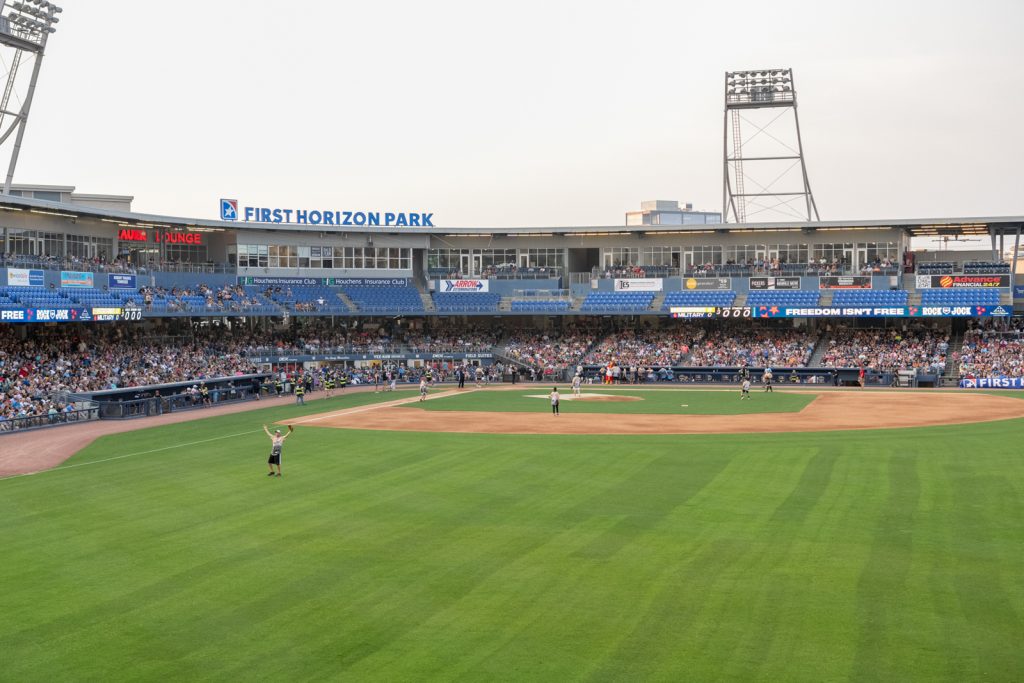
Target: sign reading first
{"type": "Point", "coordinates": [230, 211]}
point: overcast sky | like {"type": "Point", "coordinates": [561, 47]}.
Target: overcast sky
{"type": "Point", "coordinates": [527, 113]}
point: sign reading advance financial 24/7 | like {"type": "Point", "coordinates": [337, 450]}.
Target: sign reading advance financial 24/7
{"type": "Point", "coordinates": [230, 211]}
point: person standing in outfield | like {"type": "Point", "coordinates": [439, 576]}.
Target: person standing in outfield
{"type": "Point", "coordinates": [329, 384]}
{"type": "Point", "coordinates": [343, 380]}
{"type": "Point", "coordinates": [300, 394]}
{"type": "Point", "coordinates": [460, 374]}
{"type": "Point", "coordinates": [767, 379]}
{"type": "Point", "coordinates": [376, 381]}
{"type": "Point", "coordinates": [576, 382]}
{"type": "Point", "coordinates": [276, 440]}
{"type": "Point", "coordinates": [555, 398]}
{"type": "Point", "coordinates": [423, 388]}
{"type": "Point", "coordinates": [394, 380]}
{"type": "Point", "coordinates": [745, 391]}
{"type": "Point", "coordinates": [479, 377]}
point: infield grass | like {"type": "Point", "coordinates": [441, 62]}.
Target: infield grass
{"type": "Point", "coordinates": [862, 556]}
{"type": "Point", "coordinates": [533, 399]}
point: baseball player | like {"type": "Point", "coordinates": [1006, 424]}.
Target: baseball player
{"type": "Point", "coordinates": [555, 398]}
{"type": "Point", "coordinates": [767, 379]}
{"type": "Point", "coordinates": [276, 440]}
{"type": "Point", "coordinates": [745, 391]}
{"type": "Point", "coordinates": [576, 382]}
{"type": "Point", "coordinates": [423, 388]}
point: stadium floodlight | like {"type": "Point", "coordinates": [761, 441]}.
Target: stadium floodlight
{"type": "Point", "coordinates": [754, 140]}
{"type": "Point", "coordinates": [25, 26]}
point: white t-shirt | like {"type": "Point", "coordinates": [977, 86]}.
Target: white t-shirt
{"type": "Point", "coordinates": [554, 398]}
{"type": "Point", "coordinates": [746, 385]}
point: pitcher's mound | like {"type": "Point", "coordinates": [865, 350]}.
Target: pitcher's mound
{"type": "Point", "coordinates": [602, 398]}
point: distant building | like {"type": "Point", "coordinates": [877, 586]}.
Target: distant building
{"type": "Point", "coordinates": [664, 212]}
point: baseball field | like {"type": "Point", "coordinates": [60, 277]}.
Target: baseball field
{"type": "Point", "coordinates": [449, 550]}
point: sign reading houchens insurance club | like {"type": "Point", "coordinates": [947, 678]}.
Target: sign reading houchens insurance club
{"type": "Point", "coordinates": [231, 211]}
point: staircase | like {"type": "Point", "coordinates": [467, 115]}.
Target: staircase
{"type": "Point", "coordinates": [659, 299]}
{"type": "Point", "coordinates": [428, 301]}
{"type": "Point", "coordinates": [505, 305]}
{"type": "Point", "coordinates": [956, 345]}
{"type": "Point", "coordinates": [819, 351]}
{"type": "Point", "coordinates": [740, 300]}
{"type": "Point", "coordinates": [826, 297]}
{"type": "Point", "coordinates": [348, 302]}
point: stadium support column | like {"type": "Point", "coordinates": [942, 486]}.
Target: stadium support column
{"type": "Point", "coordinates": [1016, 249]}
{"type": "Point", "coordinates": [763, 150]}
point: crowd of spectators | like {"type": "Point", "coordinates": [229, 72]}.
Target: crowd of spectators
{"type": "Point", "coordinates": [645, 348]}
{"type": "Point", "coordinates": [550, 351]}
{"type": "Point", "coordinates": [992, 348]}
{"type": "Point", "coordinates": [224, 298]}
{"type": "Point", "coordinates": [751, 345]}
{"type": "Point", "coordinates": [921, 347]}
{"type": "Point", "coordinates": [52, 363]}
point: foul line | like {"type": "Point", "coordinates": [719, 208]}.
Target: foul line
{"type": "Point", "coordinates": [129, 455]}
{"type": "Point", "coordinates": [346, 411]}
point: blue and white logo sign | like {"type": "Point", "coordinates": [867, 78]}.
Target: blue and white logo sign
{"type": "Point", "coordinates": [121, 281]}
{"type": "Point", "coordinates": [465, 285]}
{"type": "Point", "coordinates": [229, 209]}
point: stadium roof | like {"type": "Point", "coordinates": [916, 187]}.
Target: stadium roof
{"type": "Point", "coordinates": [917, 227]}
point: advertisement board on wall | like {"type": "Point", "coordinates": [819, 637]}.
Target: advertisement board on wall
{"type": "Point", "coordinates": [639, 285]}
{"type": "Point", "coordinates": [478, 286]}
{"type": "Point", "coordinates": [966, 281]}
{"type": "Point", "coordinates": [701, 283]}
{"type": "Point", "coordinates": [774, 283]}
{"type": "Point", "coordinates": [844, 282]}
{"type": "Point", "coordinates": [121, 281]}
{"type": "Point", "coordinates": [74, 278]}
{"type": "Point", "coordinates": [19, 277]}
{"type": "Point", "coordinates": [992, 383]}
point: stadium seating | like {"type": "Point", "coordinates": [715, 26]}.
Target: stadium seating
{"type": "Point", "coordinates": [935, 268]}
{"type": "Point", "coordinates": [540, 306]}
{"type": "Point", "coordinates": [960, 297]}
{"type": "Point", "coordinates": [391, 300]}
{"type": "Point", "coordinates": [782, 297]}
{"type": "Point", "coordinates": [986, 268]}
{"type": "Point", "coordinates": [870, 297]}
{"type": "Point", "coordinates": [700, 298]}
{"type": "Point", "coordinates": [466, 302]}
{"type": "Point", "coordinates": [300, 299]}
{"type": "Point", "coordinates": [599, 302]}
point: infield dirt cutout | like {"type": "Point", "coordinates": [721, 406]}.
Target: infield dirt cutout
{"type": "Point", "coordinates": [829, 411]}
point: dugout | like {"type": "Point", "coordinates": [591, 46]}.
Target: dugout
{"type": "Point", "coordinates": [157, 399]}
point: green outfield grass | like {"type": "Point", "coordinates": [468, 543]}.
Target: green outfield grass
{"type": "Point", "coordinates": [863, 556]}
{"type": "Point", "coordinates": [653, 401]}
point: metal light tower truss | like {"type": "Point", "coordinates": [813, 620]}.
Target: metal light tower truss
{"type": "Point", "coordinates": [765, 176]}
{"type": "Point", "coordinates": [25, 26]}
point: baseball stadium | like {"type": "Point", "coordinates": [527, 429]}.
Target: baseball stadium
{"type": "Point", "coordinates": [683, 445]}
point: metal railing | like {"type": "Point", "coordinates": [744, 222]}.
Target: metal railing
{"type": "Point", "coordinates": [159, 405]}
{"type": "Point", "coordinates": [17, 424]}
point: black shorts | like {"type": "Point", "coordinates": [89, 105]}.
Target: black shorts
{"type": "Point", "coordinates": [275, 458]}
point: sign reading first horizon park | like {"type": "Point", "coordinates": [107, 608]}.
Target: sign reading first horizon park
{"type": "Point", "coordinates": [231, 211]}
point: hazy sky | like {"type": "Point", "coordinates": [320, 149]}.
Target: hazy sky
{"type": "Point", "coordinates": [524, 113]}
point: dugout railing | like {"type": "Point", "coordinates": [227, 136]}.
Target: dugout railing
{"type": "Point", "coordinates": [148, 401]}
{"type": "Point", "coordinates": [77, 416]}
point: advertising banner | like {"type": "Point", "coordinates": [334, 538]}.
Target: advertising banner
{"type": "Point", "coordinates": [73, 278]}
{"type": "Point", "coordinates": [993, 383]}
{"type": "Point", "coordinates": [1018, 292]}
{"type": "Point", "coordinates": [107, 314]}
{"type": "Point", "coordinates": [367, 282]}
{"type": "Point", "coordinates": [845, 282]}
{"type": "Point", "coordinates": [703, 283]}
{"type": "Point", "coordinates": [477, 286]}
{"type": "Point", "coordinates": [121, 281]}
{"type": "Point", "coordinates": [774, 283]}
{"type": "Point", "coordinates": [639, 285]}
{"type": "Point", "coordinates": [281, 281]}
{"type": "Point", "coordinates": [46, 315]}
{"type": "Point", "coordinates": [19, 277]}
{"type": "Point", "coordinates": [972, 281]}
{"type": "Point", "coordinates": [881, 312]}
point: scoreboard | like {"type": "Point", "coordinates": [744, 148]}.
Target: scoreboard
{"type": "Point", "coordinates": [711, 311]}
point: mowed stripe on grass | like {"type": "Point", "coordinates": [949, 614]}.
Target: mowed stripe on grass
{"type": "Point", "coordinates": [532, 399]}
{"type": "Point", "coordinates": [870, 556]}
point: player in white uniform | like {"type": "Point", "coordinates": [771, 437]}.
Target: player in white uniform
{"type": "Point", "coordinates": [576, 382]}
{"type": "Point", "coordinates": [745, 391]}
{"type": "Point", "coordinates": [767, 379]}
{"type": "Point", "coordinates": [555, 398]}
{"type": "Point", "coordinates": [423, 388]}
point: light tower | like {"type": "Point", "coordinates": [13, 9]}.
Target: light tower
{"type": "Point", "coordinates": [765, 176]}
{"type": "Point", "coordinates": [25, 27]}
